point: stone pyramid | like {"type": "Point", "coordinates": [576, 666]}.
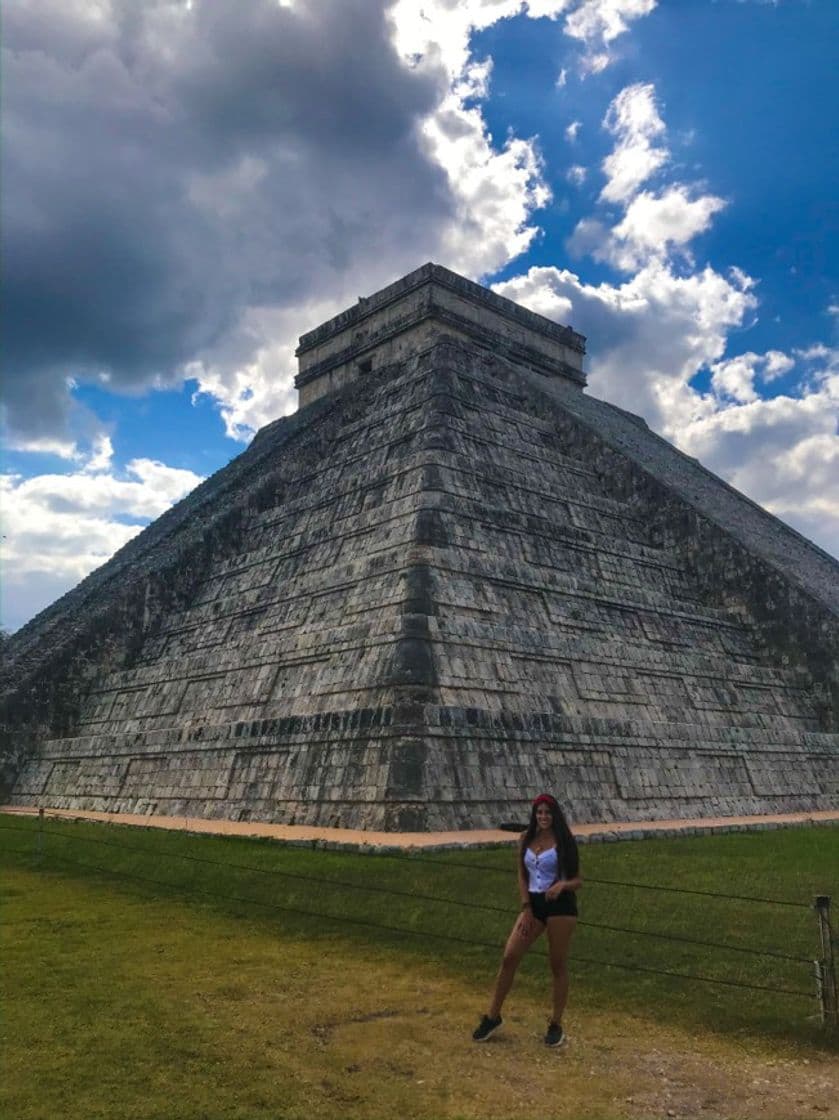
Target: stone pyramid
{"type": "Point", "coordinates": [450, 580]}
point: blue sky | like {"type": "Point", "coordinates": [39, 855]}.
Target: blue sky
{"type": "Point", "coordinates": [190, 186]}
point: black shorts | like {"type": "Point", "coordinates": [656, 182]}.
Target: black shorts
{"type": "Point", "coordinates": [564, 906]}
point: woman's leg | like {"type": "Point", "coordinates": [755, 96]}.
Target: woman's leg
{"type": "Point", "coordinates": [560, 932]}
{"type": "Point", "coordinates": [524, 933]}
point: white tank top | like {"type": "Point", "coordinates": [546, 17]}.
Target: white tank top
{"type": "Point", "coordinates": [542, 869]}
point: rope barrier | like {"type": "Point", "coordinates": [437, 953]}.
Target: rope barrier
{"type": "Point", "coordinates": [414, 858]}
{"type": "Point", "coordinates": [424, 933]}
{"type": "Point", "coordinates": [421, 897]}
{"type": "Point", "coordinates": [706, 944]}
{"type": "Point", "coordinates": [611, 883]}
{"type": "Point", "coordinates": [413, 896]}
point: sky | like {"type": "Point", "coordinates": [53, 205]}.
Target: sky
{"type": "Point", "coordinates": [189, 185]}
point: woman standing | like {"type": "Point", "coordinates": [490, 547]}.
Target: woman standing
{"type": "Point", "coordinates": [548, 875]}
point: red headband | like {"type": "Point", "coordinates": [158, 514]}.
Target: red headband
{"type": "Point", "coordinates": [546, 799]}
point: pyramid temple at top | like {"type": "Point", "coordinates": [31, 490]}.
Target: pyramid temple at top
{"type": "Point", "coordinates": [451, 580]}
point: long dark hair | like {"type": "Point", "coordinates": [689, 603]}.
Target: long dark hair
{"type": "Point", "coordinates": [567, 855]}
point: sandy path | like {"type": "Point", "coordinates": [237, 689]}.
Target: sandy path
{"type": "Point", "coordinates": [351, 838]}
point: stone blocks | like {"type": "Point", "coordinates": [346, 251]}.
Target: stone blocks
{"type": "Point", "coordinates": [443, 590]}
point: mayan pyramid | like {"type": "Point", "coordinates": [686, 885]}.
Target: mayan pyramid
{"type": "Point", "coordinates": [452, 579]}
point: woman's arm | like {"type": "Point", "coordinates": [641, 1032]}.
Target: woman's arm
{"type": "Point", "coordinates": [561, 885]}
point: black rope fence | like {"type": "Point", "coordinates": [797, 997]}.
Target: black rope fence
{"type": "Point", "coordinates": [611, 882]}
{"type": "Point", "coordinates": [319, 881]}
{"type": "Point", "coordinates": [415, 858]}
{"type": "Point", "coordinates": [417, 896]}
{"type": "Point", "coordinates": [344, 920]}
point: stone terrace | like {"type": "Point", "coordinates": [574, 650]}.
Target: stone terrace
{"type": "Point", "coordinates": [458, 581]}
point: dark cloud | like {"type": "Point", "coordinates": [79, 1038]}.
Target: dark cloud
{"type": "Point", "coordinates": [167, 167]}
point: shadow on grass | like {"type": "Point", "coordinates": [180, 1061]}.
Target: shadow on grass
{"type": "Point", "coordinates": [453, 911]}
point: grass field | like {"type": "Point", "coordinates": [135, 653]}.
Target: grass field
{"type": "Point", "coordinates": [158, 974]}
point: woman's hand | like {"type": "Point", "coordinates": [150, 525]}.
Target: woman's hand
{"type": "Point", "coordinates": [556, 890]}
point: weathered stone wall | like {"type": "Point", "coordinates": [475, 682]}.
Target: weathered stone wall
{"type": "Point", "coordinates": [408, 315]}
{"type": "Point", "coordinates": [447, 589]}
{"type": "Point", "coordinates": [51, 663]}
{"type": "Point", "coordinates": [738, 555]}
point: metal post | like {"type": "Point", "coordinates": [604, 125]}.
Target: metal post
{"type": "Point", "coordinates": [826, 975]}
{"type": "Point", "coordinates": [39, 838]}
{"type": "Point", "coordinates": [819, 972]}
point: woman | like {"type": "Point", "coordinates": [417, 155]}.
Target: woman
{"type": "Point", "coordinates": [548, 874]}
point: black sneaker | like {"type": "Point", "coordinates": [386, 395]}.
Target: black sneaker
{"type": "Point", "coordinates": [485, 1028]}
{"type": "Point", "coordinates": [555, 1035]}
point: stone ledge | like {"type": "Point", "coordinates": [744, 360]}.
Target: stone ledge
{"type": "Point", "coordinates": [436, 273]}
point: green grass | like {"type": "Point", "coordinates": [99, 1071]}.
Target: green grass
{"type": "Point", "coordinates": [165, 964]}
{"type": "Point", "coordinates": [327, 895]}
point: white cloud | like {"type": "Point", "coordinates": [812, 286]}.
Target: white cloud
{"type": "Point", "coordinates": [604, 20]}
{"type": "Point", "coordinates": [495, 191]}
{"type": "Point", "coordinates": [782, 452]}
{"type": "Point", "coordinates": [148, 491]}
{"type": "Point", "coordinates": [652, 228]}
{"type": "Point", "coordinates": [653, 225]}
{"type": "Point", "coordinates": [576, 175]}
{"type": "Point", "coordinates": [671, 218]}
{"type": "Point", "coordinates": [776, 364]}
{"type": "Point", "coordinates": [562, 78]}
{"type": "Point", "coordinates": [596, 62]}
{"type": "Point", "coordinates": [634, 120]}
{"type": "Point", "coordinates": [573, 131]}
{"type": "Point", "coordinates": [597, 23]}
{"type": "Point", "coordinates": [438, 31]}
{"type": "Point", "coordinates": [495, 188]}
{"type": "Point", "coordinates": [101, 455]}
{"type": "Point", "coordinates": [653, 333]}
{"type": "Point", "coordinates": [195, 163]}
{"type": "Point", "coordinates": [735, 378]}
{"type": "Point", "coordinates": [650, 336]}
{"type": "Point", "coordinates": [253, 378]}
{"type": "Point", "coordinates": [58, 528]}
{"type": "Point", "coordinates": [259, 166]}
{"type": "Point", "coordinates": [590, 238]}
{"type": "Point", "coordinates": [43, 445]}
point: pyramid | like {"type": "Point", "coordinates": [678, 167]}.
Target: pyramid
{"type": "Point", "coordinates": [452, 579]}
